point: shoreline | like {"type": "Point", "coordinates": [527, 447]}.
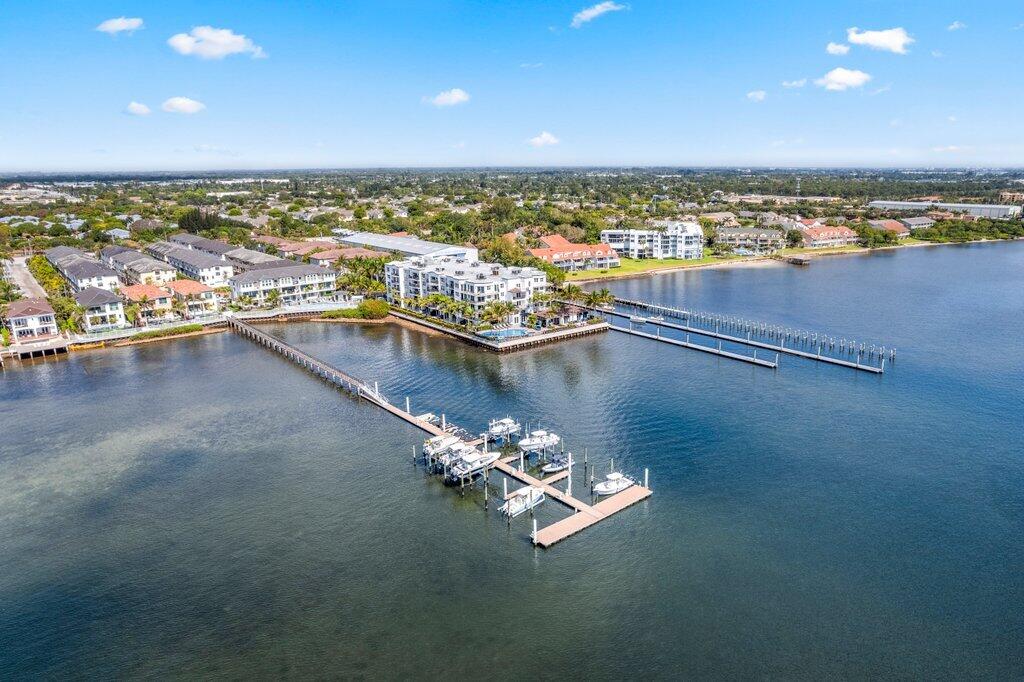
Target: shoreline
{"type": "Point", "coordinates": [765, 261]}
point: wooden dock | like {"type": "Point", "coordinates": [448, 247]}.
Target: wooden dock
{"type": "Point", "coordinates": [754, 360]}
{"type": "Point", "coordinates": [584, 514]}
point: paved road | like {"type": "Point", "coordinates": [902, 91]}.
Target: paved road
{"type": "Point", "coordinates": [24, 279]}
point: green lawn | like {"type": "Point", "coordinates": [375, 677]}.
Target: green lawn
{"type": "Point", "coordinates": [632, 267]}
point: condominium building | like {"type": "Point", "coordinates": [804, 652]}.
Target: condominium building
{"type": "Point", "coordinates": [81, 270]}
{"type": "Point", "coordinates": [407, 246]}
{"type": "Point", "coordinates": [138, 268]}
{"type": "Point", "coordinates": [293, 284]}
{"type": "Point", "coordinates": [565, 255]}
{"type": "Point", "coordinates": [30, 319]}
{"type": "Point", "coordinates": [661, 239]}
{"type": "Point", "coordinates": [470, 281]}
{"type": "Point", "coordinates": [197, 243]}
{"type": "Point", "coordinates": [194, 264]}
{"type": "Point", "coordinates": [759, 239]}
{"type": "Point", "coordinates": [979, 210]}
{"type": "Point", "coordinates": [103, 309]}
{"type": "Point", "coordinates": [824, 236]}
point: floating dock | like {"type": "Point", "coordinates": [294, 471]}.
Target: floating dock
{"type": "Point", "coordinates": [584, 516]}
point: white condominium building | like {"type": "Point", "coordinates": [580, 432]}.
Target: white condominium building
{"type": "Point", "coordinates": [662, 239]}
{"type": "Point", "coordinates": [470, 281]}
{"type": "Point", "coordinates": [198, 265]}
{"type": "Point", "coordinates": [293, 284]}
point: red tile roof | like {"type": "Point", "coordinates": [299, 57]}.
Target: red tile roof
{"type": "Point", "coordinates": [188, 286]}
{"type": "Point", "coordinates": [558, 247]}
{"type": "Point", "coordinates": [135, 292]}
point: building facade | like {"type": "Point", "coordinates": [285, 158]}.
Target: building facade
{"type": "Point", "coordinates": [198, 299]}
{"type": "Point", "coordinates": [663, 239]}
{"type": "Point", "coordinates": [757, 239]}
{"type": "Point", "coordinates": [31, 319]}
{"type": "Point", "coordinates": [80, 270]}
{"type": "Point", "coordinates": [293, 284]}
{"type": "Point", "coordinates": [565, 255]}
{"type": "Point", "coordinates": [103, 310]}
{"type": "Point", "coordinates": [194, 264]}
{"type": "Point", "coordinates": [979, 210]}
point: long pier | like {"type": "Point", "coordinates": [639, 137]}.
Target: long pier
{"type": "Point", "coordinates": [749, 341]}
{"type": "Point", "coordinates": [584, 516]}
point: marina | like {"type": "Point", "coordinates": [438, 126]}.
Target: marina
{"type": "Point", "coordinates": [460, 460]}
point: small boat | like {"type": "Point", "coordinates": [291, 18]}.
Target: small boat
{"type": "Point", "coordinates": [522, 500]}
{"type": "Point", "coordinates": [559, 462]}
{"type": "Point", "coordinates": [539, 440]}
{"type": "Point", "coordinates": [471, 464]}
{"type": "Point", "coordinates": [429, 417]}
{"type": "Point", "coordinates": [453, 454]}
{"type": "Point", "coordinates": [637, 319]}
{"type": "Point", "coordinates": [613, 483]}
{"type": "Point", "coordinates": [503, 428]}
{"type": "Point", "coordinates": [656, 318]}
{"type": "Point", "coordinates": [439, 444]}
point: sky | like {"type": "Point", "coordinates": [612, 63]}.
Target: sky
{"type": "Point", "coordinates": [147, 86]}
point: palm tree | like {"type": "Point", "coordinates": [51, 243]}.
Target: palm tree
{"type": "Point", "coordinates": [573, 292]}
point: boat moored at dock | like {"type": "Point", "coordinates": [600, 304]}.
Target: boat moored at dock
{"type": "Point", "coordinates": [559, 462]}
{"type": "Point", "coordinates": [432, 447]}
{"type": "Point", "coordinates": [503, 429]}
{"type": "Point", "coordinates": [471, 464]}
{"type": "Point", "coordinates": [522, 500]}
{"type": "Point", "coordinates": [539, 440]}
{"type": "Point", "coordinates": [613, 483]}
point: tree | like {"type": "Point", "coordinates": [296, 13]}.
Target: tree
{"type": "Point", "coordinates": [273, 298]}
{"type": "Point", "coordinates": [794, 238]}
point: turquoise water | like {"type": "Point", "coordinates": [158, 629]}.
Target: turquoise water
{"type": "Point", "coordinates": [203, 508]}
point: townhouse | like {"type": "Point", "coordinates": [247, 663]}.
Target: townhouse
{"type": "Point", "coordinates": [103, 310]}
{"type": "Point", "coordinates": [138, 268]}
{"type": "Point", "coordinates": [80, 270]}
{"type": "Point", "coordinates": [154, 303]}
{"type": "Point", "coordinates": [198, 299]}
{"type": "Point", "coordinates": [757, 239]}
{"type": "Point", "coordinates": [197, 265]}
{"type": "Point", "coordinates": [565, 255]}
{"type": "Point", "coordinates": [294, 283]}
{"type": "Point", "coordinates": [824, 236]}
{"type": "Point", "coordinates": [895, 226]}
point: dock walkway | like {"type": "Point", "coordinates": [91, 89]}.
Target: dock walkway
{"type": "Point", "coordinates": [584, 515]}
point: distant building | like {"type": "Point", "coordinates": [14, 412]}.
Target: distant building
{"type": "Point", "coordinates": [407, 246]}
{"type": "Point", "coordinates": [663, 239]}
{"type": "Point", "coordinates": [979, 210]}
{"type": "Point", "coordinates": [894, 226]}
{"type": "Point", "coordinates": [30, 319]}
{"type": "Point", "coordinates": [197, 265]}
{"type": "Point", "coordinates": [328, 258]}
{"type": "Point", "coordinates": [118, 233]}
{"type": "Point", "coordinates": [296, 283]}
{"type": "Point", "coordinates": [917, 223]}
{"type": "Point", "coordinates": [825, 236]}
{"type": "Point", "coordinates": [213, 247]}
{"type": "Point", "coordinates": [103, 309]}
{"type": "Point", "coordinates": [469, 281]}
{"type": "Point", "coordinates": [565, 255]}
{"type": "Point", "coordinates": [759, 239]}
{"type": "Point", "coordinates": [138, 268]}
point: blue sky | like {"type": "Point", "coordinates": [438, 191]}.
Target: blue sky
{"type": "Point", "coordinates": [421, 83]}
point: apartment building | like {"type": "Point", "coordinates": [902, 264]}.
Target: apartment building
{"type": "Point", "coordinates": [661, 239]}
{"type": "Point", "coordinates": [154, 303]}
{"type": "Point", "coordinates": [565, 255]}
{"type": "Point", "coordinates": [470, 281]}
{"type": "Point", "coordinates": [757, 239]}
{"type": "Point", "coordinates": [194, 264]}
{"type": "Point", "coordinates": [138, 268]}
{"type": "Point", "coordinates": [824, 236]}
{"type": "Point", "coordinates": [294, 283]}
{"type": "Point", "coordinates": [80, 270]}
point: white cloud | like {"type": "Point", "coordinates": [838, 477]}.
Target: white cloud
{"type": "Point", "coordinates": [843, 79]}
{"type": "Point", "coordinates": [449, 98]}
{"type": "Point", "coordinates": [950, 149]}
{"type": "Point", "coordinates": [837, 48]}
{"type": "Point", "coordinates": [795, 84]}
{"type": "Point", "coordinates": [591, 13]}
{"type": "Point", "coordinates": [952, 119]}
{"type": "Point", "coordinates": [207, 42]}
{"type": "Point", "coordinates": [182, 105]}
{"type": "Point", "coordinates": [138, 109]}
{"type": "Point", "coordinates": [889, 40]}
{"type": "Point", "coordinates": [461, 144]}
{"type": "Point", "coordinates": [884, 88]}
{"type": "Point", "coordinates": [120, 25]}
{"type": "Point", "coordinates": [936, 54]}
{"type": "Point", "coordinates": [956, 26]}
{"type": "Point", "coordinates": [545, 139]}
{"type": "Point", "coordinates": [757, 95]}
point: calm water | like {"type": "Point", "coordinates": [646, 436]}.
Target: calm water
{"type": "Point", "coordinates": [201, 507]}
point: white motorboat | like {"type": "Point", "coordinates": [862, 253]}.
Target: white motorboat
{"type": "Point", "coordinates": [503, 428]}
{"type": "Point", "coordinates": [522, 500]}
{"type": "Point", "coordinates": [539, 440]}
{"type": "Point", "coordinates": [559, 462]}
{"type": "Point", "coordinates": [471, 464]}
{"type": "Point", "coordinates": [437, 445]}
{"type": "Point", "coordinates": [656, 318]}
{"type": "Point", "coordinates": [613, 483]}
{"type": "Point", "coordinates": [453, 454]}
{"type": "Point", "coordinates": [637, 319]}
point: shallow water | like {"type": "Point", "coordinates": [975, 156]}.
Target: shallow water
{"type": "Point", "coordinates": [202, 507]}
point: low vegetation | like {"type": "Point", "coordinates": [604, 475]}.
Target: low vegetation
{"type": "Point", "coordinates": [163, 333]}
{"type": "Point", "coordinates": [367, 310]}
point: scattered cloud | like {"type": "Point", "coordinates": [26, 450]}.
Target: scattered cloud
{"type": "Point", "coordinates": [839, 79]}
{"type": "Point", "coordinates": [182, 105]}
{"type": "Point", "coordinates": [120, 25]}
{"type": "Point", "coordinates": [1018, 27]}
{"type": "Point", "coordinates": [757, 95]}
{"type": "Point", "coordinates": [952, 119]}
{"type": "Point", "coordinates": [593, 12]}
{"type": "Point", "coordinates": [137, 109]}
{"type": "Point", "coordinates": [890, 40]}
{"type": "Point", "coordinates": [937, 54]}
{"type": "Point", "coordinates": [207, 42]}
{"type": "Point", "coordinates": [213, 149]}
{"type": "Point", "coordinates": [449, 98]}
{"type": "Point", "coordinates": [531, 65]}
{"type": "Point", "coordinates": [950, 149]}
{"type": "Point", "coordinates": [788, 143]}
{"type": "Point", "coordinates": [545, 139]}
{"type": "Point", "coordinates": [885, 88]}
{"type": "Point", "coordinates": [799, 83]}
{"type": "Point", "coordinates": [956, 26]}
{"type": "Point", "coordinates": [837, 48]}
{"type": "Point", "coordinates": [461, 144]}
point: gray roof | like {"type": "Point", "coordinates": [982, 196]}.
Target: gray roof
{"type": "Point", "coordinates": [90, 297]}
{"type": "Point", "coordinates": [253, 276]}
{"type": "Point", "coordinates": [202, 243]}
{"type": "Point", "coordinates": [250, 257]}
{"type": "Point", "coordinates": [109, 251]}
{"type": "Point", "coordinates": [911, 222]}
{"type": "Point", "coordinates": [84, 268]}
{"type": "Point", "coordinates": [197, 259]}
{"type": "Point", "coordinates": [56, 253]}
{"type": "Point", "coordinates": [385, 242]}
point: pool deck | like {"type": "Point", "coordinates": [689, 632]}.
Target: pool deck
{"type": "Point", "coordinates": [508, 345]}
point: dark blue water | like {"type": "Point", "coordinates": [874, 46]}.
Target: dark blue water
{"type": "Point", "coordinates": [201, 507]}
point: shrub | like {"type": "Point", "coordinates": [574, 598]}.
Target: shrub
{"type": "Point", "coordinates": [367, 310]}
{"type": "Point", "coordinates": [161, 333]}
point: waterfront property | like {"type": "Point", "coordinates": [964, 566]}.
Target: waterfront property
{"type": "Point", "coordinates": [827, 236]}
{"type": "Point", "coordinates": [917, 223]}
{"type": "Point", "coordinates": [138, 268]}
{"type": "Point", "coordinates": [294, 283]}
{"type": "Point", "coordinates": [474, 283]}
{"type": "Point", "coordinates": [329, 257]}
{"type": "Point", "coordinates": [198, 298]}
{"type": "Point", "coordinates": [31, 319]}
{"type": "Point", "coordinates": [407, 246]}
{"type": "Point", "coordinates": [978, 210]}
{"type": "Point", "coordinates": [756, 239]}
{"type": "Point", "coordinates": [195, 264]}
{"type": "Point", "coordinates": [80, 270]}
{"type": "Point", "coordinates": [154, 303]}
{"type": "Point", "coordinates": [102, 309]}
{"type": "Point", "coordinates": [565, 255]}
{"type": "Point", "coordinates": [895, 226]}
{"type": "Point", "coordinates": [662, 239]}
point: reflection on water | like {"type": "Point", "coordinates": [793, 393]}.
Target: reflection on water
{"type": "Point", "coordinates": [202, 507]}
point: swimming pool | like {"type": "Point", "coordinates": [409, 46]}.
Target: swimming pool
{"type": "Point", "coordinates": [501, 334]}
